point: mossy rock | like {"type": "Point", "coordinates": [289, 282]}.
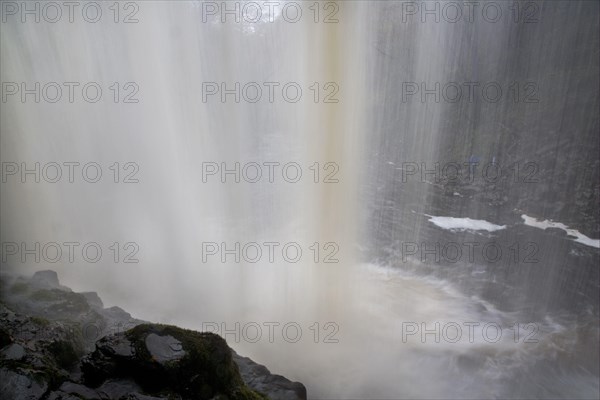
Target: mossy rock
{"type": "Point", "coordinates": [54, 377]}
{"type": "Point", "coordinates": [48, 375]}
{"type": "Point", "coordinates": [199, 366]}
{"type": "Point", "coordinates": [42, 322]}
{"type": "Point", "coordinates": [19, 288]}
{"type": "Point", "coordinates": [63, 353]}
{"type": "Point", "coordinates": [46, 295]}
{"type": "Point", "coordinates": [63, 301]}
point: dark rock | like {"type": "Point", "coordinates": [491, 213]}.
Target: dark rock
{"type": "Point", "coordinates": [139, 396]}
{"type": "Point", "coordinates": [78, 390]}
{"type": "Point", "coordinates": [116, 312]}
{"type": "Point", "coordinates": [58, 395]}
{"type": "Point", "coordinates": [5, 338]}
{"type": "Point", "coordinates": [82, 314]}
{"type": "Point", "coordinates": [13, 352]}
{"type": "Point", "coordinates": [275, 387]}
{"type": "Point", "coordinates": [117, 389]}
{"type": "Point", "coordinates": [19, 385]}
{"type": "Point", "coordinates": [63, 352]}
{"type": "Point", "coordinates": [93, 300]}
{"type": "Point", "coordinates": [45, 279]}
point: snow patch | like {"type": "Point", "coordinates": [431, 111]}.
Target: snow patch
{"type": "Point", "coordinates": [463, 224]}
{"type": "Point", "coordinates": [578, 236]}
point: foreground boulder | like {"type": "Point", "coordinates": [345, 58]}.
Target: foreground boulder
{"type": "Point", "coordinates": [164, 359]}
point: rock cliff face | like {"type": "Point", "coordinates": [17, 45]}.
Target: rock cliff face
{"type": "Point", "coordinates": [58, 344]}
{"type": "Point", "coordinates": [490, 160]}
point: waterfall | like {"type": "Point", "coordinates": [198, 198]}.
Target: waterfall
{"type": "Point", "coordinates": [176, 137]}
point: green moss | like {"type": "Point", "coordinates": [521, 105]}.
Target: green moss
{"type": "Point", "coordinates": [40, 321]}
{"type": "Point", "coordinates": [19, 288]}
{"type": "Point", "coordinates": [63, 353]}
{"type": "Point", "coordinates": [45, 295]}
{"type": "Point", "coordinates": [245, 393]}
{"type": "Point", "coordinates": [73, 332]}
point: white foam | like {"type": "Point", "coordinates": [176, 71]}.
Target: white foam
{"type": "Point", "coordinates": [578, 236]}
{"type": "Point", "coordinates": [463, 224]}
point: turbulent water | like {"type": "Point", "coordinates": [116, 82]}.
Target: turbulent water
{"type": "Point", "coordinates": [348, 317]}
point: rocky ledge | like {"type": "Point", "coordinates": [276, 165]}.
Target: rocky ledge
{"type": "Point", "coordinates": [46, 352]}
